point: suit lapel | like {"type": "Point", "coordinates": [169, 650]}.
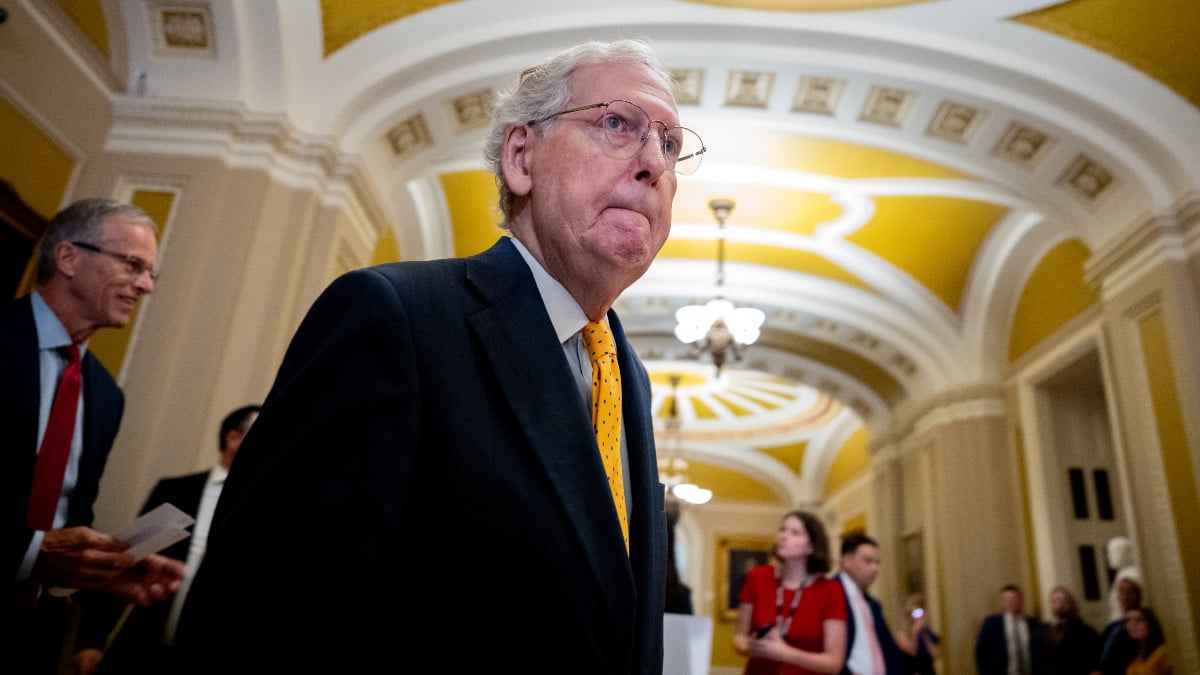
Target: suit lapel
{"type": "Point", "coordinates": [23, 359]}
{"type": "Point", "coordinates": [519, 341]}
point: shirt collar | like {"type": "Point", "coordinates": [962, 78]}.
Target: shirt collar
{"type": "Point", "coordinates": [565, 314]}
{"type": "Point", "coordinates": [50, 330]}
{"type": "Point", "coordinates": [852, 589]}
{"type": "Point", "coordinates": [217, 475]}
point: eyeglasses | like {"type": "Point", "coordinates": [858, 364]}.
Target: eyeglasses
{"type": "Point", "coordinates": [133, 264]}
{"type": "Point", "coordinates": [626, 127]}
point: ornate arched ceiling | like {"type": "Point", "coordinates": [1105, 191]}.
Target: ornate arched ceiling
{"type": "Point", "coordinates": [909, 176]}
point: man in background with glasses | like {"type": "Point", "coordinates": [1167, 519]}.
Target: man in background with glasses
{"type": "Point", "coordinates": [59, 411]}
{"type": "Point", "coordinates": [433, 476]}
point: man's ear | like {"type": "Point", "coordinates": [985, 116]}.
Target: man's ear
{"type": "Point", "coordinates": [514, 160]}
{"type": "Point", "coordinates": [66, 258]}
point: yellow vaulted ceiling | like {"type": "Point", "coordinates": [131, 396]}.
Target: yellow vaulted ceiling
{"type": "Point", "coordinates": [343, 21]}
{"type": "Point", "coordinates": [932, 239]}
{"type": "Point", "coordinates": [1158, 38]}
{"type": "Point", "coordinates": [821, 156]}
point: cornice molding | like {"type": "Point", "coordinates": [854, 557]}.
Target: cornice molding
{"type": "Point", "coordinates": [975, 401]}
{"type": "Point", "coordinates": [196, 127]}
{"type": "Point", "coordinates": [1188, 215]}
{"type": "Point", "coordinates": [1140, 247]}
{"type": "Point", "coordinates": [242, 137]}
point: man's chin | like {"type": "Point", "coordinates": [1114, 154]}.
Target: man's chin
{"type": "Point", "coordinates": [119, 320]}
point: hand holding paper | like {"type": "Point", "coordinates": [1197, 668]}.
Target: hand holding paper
{"type": "Point", "coordinates": [153, 577]}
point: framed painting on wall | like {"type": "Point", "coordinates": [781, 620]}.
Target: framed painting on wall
{"type": "Point", "coordinates": [735, 557]}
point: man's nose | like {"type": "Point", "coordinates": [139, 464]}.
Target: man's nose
{"type": "Point", "coordinates": [651, 155]}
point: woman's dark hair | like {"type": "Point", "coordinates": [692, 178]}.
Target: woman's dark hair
{"type": "Point", "coordinates": [1154, 632]}
{"type": "Point", "coordinates": [818, 561]}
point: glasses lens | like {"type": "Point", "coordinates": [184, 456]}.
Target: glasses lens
{"type": "Point", "coordinates": [137, 268]}
{"type": "Point", "coordinates": [691, 150]}
{"type": "Point", "coordinates": [624, 126]}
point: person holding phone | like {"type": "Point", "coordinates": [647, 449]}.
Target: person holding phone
{"type": "Point", "coordinates": [791, 617]}
{"type": "Point", "coordinates": [921, 646]}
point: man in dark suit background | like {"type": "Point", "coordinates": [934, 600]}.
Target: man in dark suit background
{"type": "Point", "coordinates": [866, 631]}
{"type": "Point", "coordinates": [142, 644]}
{"type": "Point", "coordinates": [93, 263]}
{"type": "Point", "coordinates": [425, 480]}
{"type": "Point", "coordinates": [1008, 642]}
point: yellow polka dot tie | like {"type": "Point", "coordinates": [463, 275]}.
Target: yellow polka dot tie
{"type": "Point", "coordinates": [606, 411]}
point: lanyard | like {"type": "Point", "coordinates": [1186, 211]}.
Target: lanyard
{"type": "Point", "coordinates": [785, 622]}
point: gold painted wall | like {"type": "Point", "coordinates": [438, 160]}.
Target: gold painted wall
{"type": "Point", "coordinates": [88, 15]}
{"type": "Point", "coordinates": [1177, 462]}
{"type": "Point", "coordinates": [37, 167]}
{"type": "Point", "coordinates": [386, 249]}
{"type": "Point", "coordinates": [471, 200]}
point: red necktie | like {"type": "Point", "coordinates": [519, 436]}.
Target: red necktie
{"type": "Point", "coordinates": [872, 639]}
{"type": "Point", "coordinates": [56, 445]}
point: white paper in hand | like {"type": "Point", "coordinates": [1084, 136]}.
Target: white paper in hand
{"type": "Point", "coordinates": [155, 530]}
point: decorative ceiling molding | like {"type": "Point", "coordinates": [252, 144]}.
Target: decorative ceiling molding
{"type": "Point", "coordinates": [182, 29]}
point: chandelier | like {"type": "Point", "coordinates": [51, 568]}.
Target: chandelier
{"type": "Point", "coordinates": [672, 467]}
{"type": "Point", "coordinates": [717, 327]}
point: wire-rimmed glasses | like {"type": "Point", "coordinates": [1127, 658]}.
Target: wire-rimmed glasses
{"type": "Point", "coordinates": [133, 264]}
{"type": "Point", "coordinates": [626, 127]}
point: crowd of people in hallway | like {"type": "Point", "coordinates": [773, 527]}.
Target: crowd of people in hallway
{"type": "Point", "coordinates": [795, 617]}
{"type": "Point", "coordinates": [1013, 643]}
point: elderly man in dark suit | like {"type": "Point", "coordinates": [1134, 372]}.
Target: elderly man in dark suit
{"type": "Point", "coordinates": [436, 475]}
{"type": "Point", "coordinates": [142, 645]}
{"type": "Point", "coordinates": [94, 262]}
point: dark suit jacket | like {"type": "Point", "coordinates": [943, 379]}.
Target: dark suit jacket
{"type": "Point", "coordinates": [424, 479]}
{"type": "Point", "coordinates": [893, 658]}
{"type": "Point", "coordinates": [19, 396]}
{"type": "Point", "coordinates": [137, 646]}
{"type": "Point", "coordinates": [1077, 651]}
{"type": "Point", "coordinates": [991, 646]}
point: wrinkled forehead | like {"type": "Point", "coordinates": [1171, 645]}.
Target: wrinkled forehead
{"type": "Point", "coordinates": [635, 82]}
{"type": "Point", "coordinates": [124, 226]}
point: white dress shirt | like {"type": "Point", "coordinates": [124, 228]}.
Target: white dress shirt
{"type": "Point", "coordinates": [1016, 638]}
{"type": "Point", "coordinates": [199, 540]}
{"type": "Point", "coordinates": [859, 659]}
{"type": "Point", "coordinates": [568, 319]}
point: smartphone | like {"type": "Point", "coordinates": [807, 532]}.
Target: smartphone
{"type": "Point", "coordinates": [918, 613]}
{"type": "Point", "coordinates": [762, 631]}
